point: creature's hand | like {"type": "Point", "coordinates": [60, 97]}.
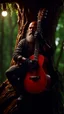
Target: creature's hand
{"type": "Point", "coordinates": [20, 60]}
{"type": "Point", "coordinates": [33, 64]}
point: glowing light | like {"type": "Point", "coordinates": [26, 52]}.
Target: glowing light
{"type": "Point", "coordinates": [57, 41]}
{"type": "Point", "coordinates": [4, 10]}
{"type": "Point", "coordinates": [4, 13]}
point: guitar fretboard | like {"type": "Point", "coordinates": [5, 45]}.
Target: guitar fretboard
{"type": "Point", "coordinates": [36, 51]}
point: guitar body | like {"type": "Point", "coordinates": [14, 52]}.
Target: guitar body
{"type": "Point", "coordinates": [36, 85]}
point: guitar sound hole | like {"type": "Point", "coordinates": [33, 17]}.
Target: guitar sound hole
{"type": "Point", "coordinates": [35, 78]}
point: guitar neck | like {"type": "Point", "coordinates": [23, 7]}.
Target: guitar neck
{"type": "Point", "coordinates": [36, 51]}
{"type": "Point", "coordinates": [42, 15]}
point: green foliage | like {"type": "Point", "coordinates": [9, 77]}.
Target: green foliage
{"type": "Point", "coordinates": [59, 55]}
{"type": "Point", "coordinates": [11, 8]}
{"type": "Point", "coordinates": [8, 34]}
{"type": "Point", "coordinates": [60, 35]}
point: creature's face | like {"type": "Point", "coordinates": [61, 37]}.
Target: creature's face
{"type": "Point", "coordinates": [31, 31]}
{"type": "Point", "coordinates": [32, 27]}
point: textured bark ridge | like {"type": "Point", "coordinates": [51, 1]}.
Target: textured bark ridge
{"type": "Point", "coordinates": [8, 98]}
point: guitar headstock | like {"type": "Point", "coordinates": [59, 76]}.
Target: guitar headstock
{"type": "Point", "coordinates": [42, 14]}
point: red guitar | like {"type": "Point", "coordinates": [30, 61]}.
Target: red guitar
{"type": "Point", "coordinates": [36, 81]}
